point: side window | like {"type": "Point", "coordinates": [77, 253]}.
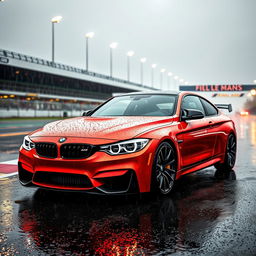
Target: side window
{"type": "Point", "coordinates": [209, 108]}
{"type": "Point", "coordinates": [192, 102]}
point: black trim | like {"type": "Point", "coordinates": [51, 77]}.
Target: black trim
{"type": "Point", "coordinates": [133, 188]}
{"type": "Point", "coordinates": [200, 97]}
{"type": "Point", "coordinates": [119, 184]}
{"type": "Point", "coordinates": [75, 150]}
{"type": "Point", "coordinates": [205, 109]}
{"type": "Point", "coordinates": [199, 162]}
{"type": "Point", "coordinates": [61, 179]}
{"type": "Point", "coordinates": [25, 176]}
{"type": "Point", "coordinates": [46, 149]}
{"type": "Point", "coordinates": [225, 106]}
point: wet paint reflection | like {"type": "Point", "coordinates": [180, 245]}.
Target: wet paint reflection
{"type": "Point", "coordinates": [71, 223]}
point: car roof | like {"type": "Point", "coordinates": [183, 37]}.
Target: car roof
{"type": "Point", "coordinates": [148, 92]}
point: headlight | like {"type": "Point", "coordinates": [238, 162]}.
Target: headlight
{"type": "Point", "coordinates": [27, 143]}
{"type": "Point", "coordinates": [125, 147]}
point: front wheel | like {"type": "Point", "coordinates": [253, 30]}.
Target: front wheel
{"type": "Point", "coordinates": [230, 156]}
{"type": "Point", "coordinates": [164, 169]}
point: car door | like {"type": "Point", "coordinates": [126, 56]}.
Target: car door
{"type": "Point", "coordinates": [195, 143]}
{"type": "Point", "coordinates": [211, 113]}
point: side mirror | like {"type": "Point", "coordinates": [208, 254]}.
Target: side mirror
{"type": "Point", "coordinates": [191, 114]}
{"type": "Point", "coordinates": [87, 113]}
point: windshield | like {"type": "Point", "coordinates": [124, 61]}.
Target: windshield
{"type": "Point", "coordinates": [138, 105]}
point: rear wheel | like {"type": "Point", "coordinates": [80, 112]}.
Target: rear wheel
{"type": "Point", "coordinates": [230, 156]}
{"type": "Point", "coordinates": [164, 169]}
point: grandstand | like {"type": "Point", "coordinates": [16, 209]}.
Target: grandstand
{"type": "Point", "coordinates": [31, 86]}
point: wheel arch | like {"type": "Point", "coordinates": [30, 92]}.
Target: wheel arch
{"type": "Point", "coordinates": [172, 144]}
{"type": "Point", "coordinates": [219, 165]}
{"type": "Point", "coordinates": [171, 141]}
{"type": "Point", "coordinates": [232, 132]}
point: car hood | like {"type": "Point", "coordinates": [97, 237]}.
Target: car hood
{"type": "Point", "coordinates": [115, 128]}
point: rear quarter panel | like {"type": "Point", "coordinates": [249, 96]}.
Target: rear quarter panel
{"type": "Point", "coordinates": [223, 126]}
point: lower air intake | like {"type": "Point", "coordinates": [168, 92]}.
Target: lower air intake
{"type": "Point", "coordinates": [24, 175]}
{"type": "Point", "coordinates": [62, 179]}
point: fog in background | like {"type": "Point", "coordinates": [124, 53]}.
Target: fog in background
{"type": "Point", "coordinates": [202, 41]}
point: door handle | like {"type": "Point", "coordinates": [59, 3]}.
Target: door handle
{"type": "Point", "coordinates": [211, 123]}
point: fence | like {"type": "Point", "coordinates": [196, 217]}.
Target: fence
{"type": "Point", "coordinates": [39, 61]}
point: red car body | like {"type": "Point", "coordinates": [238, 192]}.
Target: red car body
{"type": "Point", "coordinates": [198, 144]}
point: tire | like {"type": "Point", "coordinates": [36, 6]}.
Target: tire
{"type": "Point", "coordinates": [230, 155]}
{"type": "Point", "coordinates": [164, 169]}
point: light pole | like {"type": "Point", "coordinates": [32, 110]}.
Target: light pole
{"type": "Point", "coordinates": [111, 47]}
{"type": "Point", "coordinates": [87, 37]}
{"type": "Point", "coordinates": [176, 81]}
{"type": "Point", "coordinates": [142, 61]}
{"type": "Point", "coordinates": [153, 66]}
{"type": "Point", "coordinates": [186, 83]}
{"type": "Point", "coordinates": [56, 19]}
{"type": "Point", "coordinates": [169, 79]}
{"type": "Point", "coordinates": [129, 55]}
{"type": "Point", "coordinates": [161, 77]}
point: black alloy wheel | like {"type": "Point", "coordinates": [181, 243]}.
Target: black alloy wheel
{"type": "Point", "coordinates": [231, 151]}
{"type": "Point", "coordinates": [230, 157]}
{"type": "Point", "coordinates": [164, 169]}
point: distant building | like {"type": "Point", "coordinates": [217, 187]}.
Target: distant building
{"type": "Point", "coordinates": [30, 86]}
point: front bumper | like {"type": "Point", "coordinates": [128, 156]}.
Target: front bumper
{"type": "Point", "coordinates": [100, 172]}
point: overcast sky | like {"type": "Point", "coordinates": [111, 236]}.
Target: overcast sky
{"type": "Point", "coordinates": [202, 41]}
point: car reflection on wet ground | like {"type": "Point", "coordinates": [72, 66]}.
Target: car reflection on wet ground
{"type": "Point", "coordinates": [209, 213]}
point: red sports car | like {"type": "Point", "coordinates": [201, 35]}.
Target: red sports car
{"type": "Point", "coordinates": [138, 142]}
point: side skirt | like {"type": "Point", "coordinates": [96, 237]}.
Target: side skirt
{"type": "Point", "coordinates": [199, 165]}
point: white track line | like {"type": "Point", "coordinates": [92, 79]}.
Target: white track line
{"type": "Point", "coordinates": [8, 175]}
{"type": "Point", "coordinates": [14, 162]}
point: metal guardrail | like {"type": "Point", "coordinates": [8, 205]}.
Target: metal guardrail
{"type": "Point", "coordinates": [39, 61]}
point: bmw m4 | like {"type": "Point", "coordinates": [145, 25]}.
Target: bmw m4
{"type": "Point", "coordinates": [138, 142]}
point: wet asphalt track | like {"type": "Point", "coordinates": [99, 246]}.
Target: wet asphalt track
{"type": "Point", "coordinates": [208, 214]}
{"type": "Point", "coordinates": [10, 144]}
